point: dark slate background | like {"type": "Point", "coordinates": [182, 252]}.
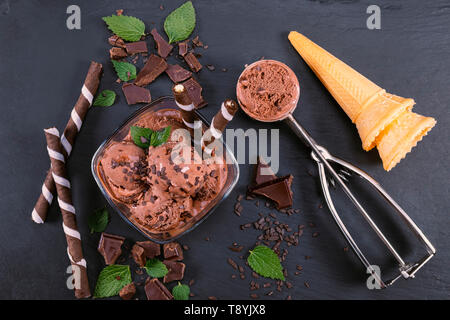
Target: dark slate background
{"type": "Point", "coordinates": [41, 70]}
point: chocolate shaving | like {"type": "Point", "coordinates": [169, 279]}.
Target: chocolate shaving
{"type": "Point", "coordinates": [192, 62]}
{"type": "Point", "coordinates": [116, 53]}
{"type": "Point", "coordinates": [136, 47]}
{"type": "Point", "coordinates": [194, 90]}
{"type": "Point", "coordinates": [177, 74]}
{"type": "Point", "coordinates": [153, 68]}
{"type": "Point", "coordinates": [135, 94]}
{"type": "Point", "coordinates": [164, 48]}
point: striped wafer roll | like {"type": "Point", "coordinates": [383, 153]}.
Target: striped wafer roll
{"type": "Point", "coordinates": [219, 122]}
{"type": "Point", "coordinates": [186, 106]}
{"type": "Point", "coordinates": [73, 126]}
{"type": "Point", "coordinates": [63, 189]}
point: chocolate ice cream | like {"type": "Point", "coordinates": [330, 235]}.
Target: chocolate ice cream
{"type": "Point", "coordinates": [267, 90]}
{"type": "Point", "coordinates": [165, 190]}
{"type": "Point", "coordinates": [122, 165]}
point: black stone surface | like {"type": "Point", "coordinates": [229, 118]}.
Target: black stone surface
{"type": "Point", "coordinates": [43, 64]}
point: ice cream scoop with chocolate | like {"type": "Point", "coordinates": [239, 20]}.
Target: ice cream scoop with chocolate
{"type": "Point", "coordinates": [171, 182]}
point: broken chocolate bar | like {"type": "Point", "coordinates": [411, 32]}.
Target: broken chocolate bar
{"type": "Point", "coordinates": [176, 271]}
{"type": "Point", "coordinates": [183, 48]}
{"type": "Point", "coordinates": [177, 74]}
{"type": "Point", "coordinates": [153, 68]}
{"type": "Point", "coordinates": [110, 247]}
{"type": "Point", "coordinates": [194, 90]}
{"type": "Point", "coordinates": [116, 41]}
{"type": "Point", "coordinates": [151, 248]}
{"type": "Point", "coordinates": [116, 53]}
{"type": "Point", "coordinates": [136, 47]}
{"type": "Point", "coordinates": [135, 94]}
{"type": "Point", "coordinates": [172, 251]}
{"type": "Point", "coordinates": [138, 254]}
{"type": "Point", "coordinates": [192, 62]}
{"type": "Point", "coordinates": [278, 190]}
{"type": "Point", "coordinates": [263, 172]}
{"type": "Point", "coordinates": [128, 292]}
{"type": "Point", "coordinates": [155, 290]}
{"type": "Point", "coordinates": [164, 48]}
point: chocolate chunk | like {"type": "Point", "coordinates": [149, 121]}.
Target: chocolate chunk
{"type": "Point", "coordinates": [196, 42]}
{"type": "Point", "coordinates": [116, 53]}
{"type": "Point", "coordinates": [263, 173]}
{"type": "Point", "coordinates": [176, 271]}
{"type": "Point", "coordinates": [177, 73]}
{"type": "Point", "coordinates": [110, 247]}
{"type": "Point", "coordinates": [164, 48]}
{"type": "Point", "coordinates": [151, 249]}
{"type": "Point", "coordinates": [183, 48]}
{"type": "Point", "coordinates": [116, 41]}
{"type": "Point", "coordinates": [136, 47]}
{"type": "Point", "coordinates": [135, 94]}
{"type": "Point", "coordinates": [172, 251]}
{"type": "Point", "coordinates": [192, 62]}
{"type": "Point", "coordinates": [278, 190]}
{"type": "Point", "coordinates": [138, 254]}
{"type": "Point", "coordinates": [128, 292]}
{"type": "Point", "coordinates": [155, 290]}
{"type": "Point", "coordinates": [194, 90]}
{"type": "Point", "coordinates": [153, 68]}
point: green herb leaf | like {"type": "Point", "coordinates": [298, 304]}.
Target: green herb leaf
{"type": "Point", "coordinates": [181, 292]}
{"type": "Point", "coordinates": [265, 262]}
{"type": "Point", "coordinates": [98, 220]}
{"type": "Point", "coordinates": [180, 23]}
{"type": "Point", "coordinates": [125, 71]}
{"type": "Point", "coordinates": [111, 280]}
{"type": "Point", "coordinates": [155, 268]}
{"type": "Point", "coordinates": [145, 137]}
{"type": "Point", "coordinates": [126, 27]}
{"type": "Point", "coordinates": [160, 137]}
{"type": "Point", "coordinates": [105, 99]}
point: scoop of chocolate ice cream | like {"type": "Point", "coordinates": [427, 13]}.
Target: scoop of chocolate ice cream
{"type": "Point", "coordinates": [159, 211]}
{"type": "Point", "coordinates": [122, 166]}
{"type": "Point", "coordinates": [176, 168]}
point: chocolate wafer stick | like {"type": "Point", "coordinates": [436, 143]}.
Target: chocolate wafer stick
{"type": "Point", "coordinates": [186, 106]}
{"type": "Point", "coordinates": [73, 237]}
{"type": "Point", "coordinates": [73, 126]}
{"type": "Point", "coordinates": [219, 122]}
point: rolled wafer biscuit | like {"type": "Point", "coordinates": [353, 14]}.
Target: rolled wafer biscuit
{"type": "Point", "coordinates": [73, 126]}
{"type": "Point", "coordinates": [73, 237]}
{"type": "Point", "coordinates": [186, 106]}
{"type": "Point", "coordinates": [226, 113]}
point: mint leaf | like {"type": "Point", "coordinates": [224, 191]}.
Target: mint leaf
{"type": "Point", "coordinates": [126, 27]}
{"type": "Point", "coordinates": [98, 220]}
{"type": "Point", "coordinates": [105, 99]}
{"type": "Point", "coordinates": [180, 23]}
{"type": "Point", "coordinates": [265, 262]}
{"type": "Point", "coordinates": [125, 71]}
{"type": "Point", "coordinates": [155, 268]}
{"type": "Point", "coordinates": [160, 137]}
{"type": "Point", "coordinates": [111, 280]}
{"type": "Point", "coordinates": [145, 137]}
{"type": "Point", "coordinates": [181, 292]}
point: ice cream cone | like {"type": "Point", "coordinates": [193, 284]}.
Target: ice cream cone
{"type": "Point", "coordinates": [370, 107]}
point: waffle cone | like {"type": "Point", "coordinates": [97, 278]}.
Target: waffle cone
{"type": "Point", "coordinates": [401, 136]}
{"type": "Point", "coordinates": [382, 119]}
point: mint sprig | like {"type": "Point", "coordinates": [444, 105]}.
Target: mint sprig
{"type": "Point", "coordinates": [181, 292]}
{"type": "Point", "coordinates": [111, 280]}
{"type": "Point", "coordinates": [145, 137]}
{"type": "Point", "coordinates": [126, 27]}
{"type": "Point", "coordinates": [180, 23]}
{"type": "Point", "coordinates": [265, 262]}
{"type": "Point", "coordinates": [125, 71]}
{"type": "Point", "coordinates": [106, 98]}
{"type": "Point", "coordinates": [98, 220]}
{"type": "Point", "coordinates": [155, 268]}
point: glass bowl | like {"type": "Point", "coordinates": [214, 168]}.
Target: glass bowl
{"type": "Point", "coordinates": [123, 210]}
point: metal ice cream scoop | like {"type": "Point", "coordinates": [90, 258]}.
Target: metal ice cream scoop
{"type": "Point", "coordinates": [333, 170]}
